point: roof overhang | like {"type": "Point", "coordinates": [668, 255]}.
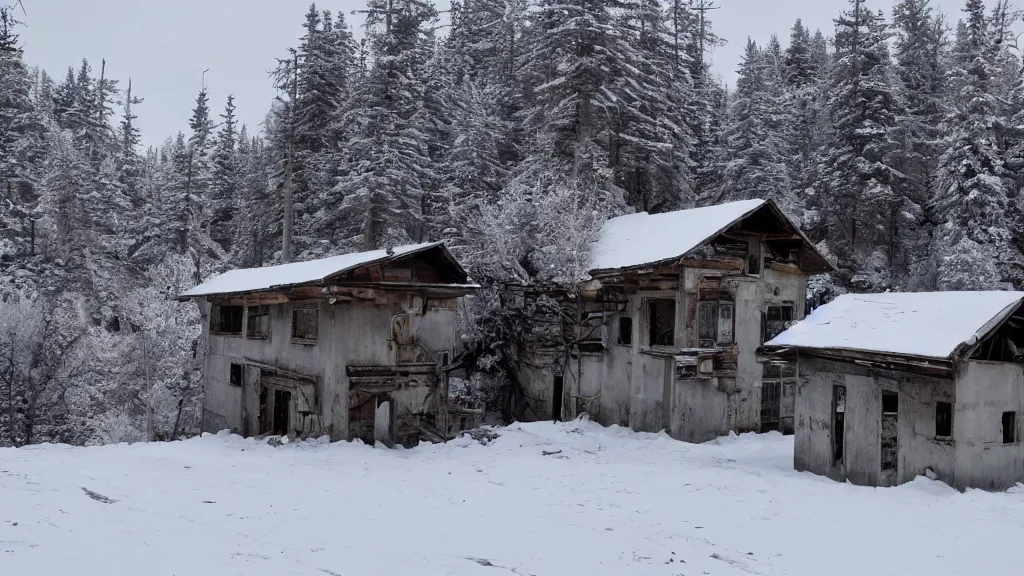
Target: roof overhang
{"type": "Point", "coordinates": [818, 265]}
{"type": "Point", "coordinates": [331, 279]}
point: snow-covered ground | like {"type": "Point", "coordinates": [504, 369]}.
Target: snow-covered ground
{"type": "Point", "coordinates": [542, 499]}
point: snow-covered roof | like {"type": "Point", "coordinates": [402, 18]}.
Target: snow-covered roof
{"type": "Point", "coordinates": [642, 238]}
{"type": "Point", "coordinates": [923, 324]}
{"type": "Point", "coordinates": [296, 273]}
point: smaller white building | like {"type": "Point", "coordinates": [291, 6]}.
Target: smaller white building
{"type": "Point", "coordinates": [893, 386]}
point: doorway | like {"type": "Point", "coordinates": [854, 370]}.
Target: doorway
{"type": "Point", "coordinates": [888, 435]}
{"type": "Point", "coordinates": [556, 399]}
{"type": "Point", "coordinates": [771, 403]}
{"type": "Point", "coordinates": [282, 410]}
{"type": "Point", "coordinates": [838, 424]}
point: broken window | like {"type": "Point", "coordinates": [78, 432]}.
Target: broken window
{"type": "Point", "coordinates": [304, 324]}
{"type": "Point", "coordinates": [236, 375]}
{"type": "Point", "coordinates": [715, 323]}
{"type": "Point", "coordinates": [226, 320]}
{"type": "Point", "coordinates": [1009, 427]}
{"type": "Point", "coordinates": [725, 322]}
{"type": "Point", "coordinates": [662, 319]}
{"type": "Point", "coordinates": [258, 323]}
{"type": "Point", "coordinates": [775, 320]}
{"type": "Point", "coordinates": [890, 427]}
{"type": "Point", "coordinates": [943, 419]}
{"type": "Point", "coordinates": [625, 330]}
{"type": "Point", "coordinates": [707, 324]}
{"type": "Point", "coordinates": [838, 423]}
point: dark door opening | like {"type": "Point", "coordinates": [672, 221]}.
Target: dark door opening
{"type": "Point", "coordinates": [888, 435]}
{"type": "Point", "coordinates": [556, 399]}
{"type": "Point", "coordinates": [771, 403]}
{"type": "Point", "coordinates": [282, 408]}
{"type": "Point", "coordinates": [838, 423]}
{"type": "Point", "coordinates": [265, 422]}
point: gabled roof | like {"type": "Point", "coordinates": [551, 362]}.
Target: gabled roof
{"type": "Point", "coordinates": [642, 239]}
{"type": "Point", "coordinates": [933, 325]}
{"type": "Point", "coordinates": [245, 280]}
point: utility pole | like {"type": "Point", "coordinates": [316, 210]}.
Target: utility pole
{"type": "Point", "coordinates": [289, 161]}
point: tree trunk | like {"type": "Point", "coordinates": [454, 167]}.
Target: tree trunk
{"type": "Point", "coordinates": [177, 420]}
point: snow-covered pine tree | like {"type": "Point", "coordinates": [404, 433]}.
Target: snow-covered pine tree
{"type": "Point", "coordinates": [803, 113]}
{"type": "Point", "coordinates": [972, 200]}
{"type": "Point", "coordinates": [224, 177]}
{"type": "Point", "coordinates": [919, 50]}
{"type": "Point", "coordinates": [754, 138]}
{"type": "Point", "coordinates": [383, 188]}
{"type": "Point", "coordinates": [648, 132]}
{"type": "Point", "coordinates": [578, 55]}
{"type": "Point", "coordinates": [21, 131]}
{"type": "Point", "coordinates": [863, 190]}
{"type": "Point", "coordinates": [128, 162]}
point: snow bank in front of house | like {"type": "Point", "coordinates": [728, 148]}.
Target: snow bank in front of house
{"type": "Point", "coordinates": [927, 324]}
{"type": "Point", "coordinates": [642, 238]}
{"type": "Point", "coordinates": [540, 499]}
{"type": "Point", "coordinates": [254, 279]}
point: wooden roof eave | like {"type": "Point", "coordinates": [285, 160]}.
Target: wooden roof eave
{"type": "Point", "coordinates": [967, 349]}
{"type": "Point", "coordinates": [914, 364]}
{"type": "Point", "coordinates": [823, 266]}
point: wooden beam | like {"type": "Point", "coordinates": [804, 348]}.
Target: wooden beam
{"type": "Point", "coordinates": [786, 268]}
{"type": "Point", "coordinates": [712, 264]}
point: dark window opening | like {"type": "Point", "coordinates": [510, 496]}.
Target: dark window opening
{"type": "Point", "coordinates": [226, 320]}
{"type": "Point", "coordinates": [236, 375]}
{"type": "Point", "coordinates": [890, 403]}
{"type": "Point", "coordinates": [754, 264]}
{"type": "Point", "coordinates": [304, 324]}
{"type": "Point", "coordinates": [114, 324]}
{"type": "Point", "coordinates": [838, 423]}
{"type": "Point", "coordinates": [1009, 427]}
{"type": "Point", "coordinates": [625, 330]}
{"type": "Point", "coordinates": [556, 399]}
{"type": "Point", "coordinates": [662, 317]}
{"type": "Point", "coordinates": [943, 419]}
{"type": "Point", "coordinates": [258, 323]}
{"type": "Point", "coordinates": [775, 320]}
{"type": "Point", "coordinates": [753, 257]}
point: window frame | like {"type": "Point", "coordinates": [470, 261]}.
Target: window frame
{"type": "Point", "coordinates": [623, 321]}
{"type": "Point", "coordinates": [766, 321]}
{"type": "Point", "coordinates": [216, 316]}
{"type": "Point", "coordinates": [232, 368]}
{"type": "Point", "coordinates": [305, 340]}
{"type": "Point", "coordinates": [649, 306]}
{"type": "Point", "coordinates": [248, 322]}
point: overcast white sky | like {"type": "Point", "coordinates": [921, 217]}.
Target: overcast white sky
{"type": "Point", "coordinates": [164, 45]}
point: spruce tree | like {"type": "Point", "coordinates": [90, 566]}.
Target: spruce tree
{"type": "Point", "coordinates": [864, 191]}
{"type": "Point", "coordinates": [972, 200]}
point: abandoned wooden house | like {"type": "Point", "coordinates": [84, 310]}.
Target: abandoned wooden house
{"type": "Point", "coordinates": [664, 336]}
{"type": "Point", "coordinates": [352, 346]}
{"type": "Point", "coordinates": [893, 386]}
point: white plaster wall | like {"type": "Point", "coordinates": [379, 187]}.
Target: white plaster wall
{"type": "Point", "coordinates": [918, 448]}
{"type": "Point", "coordinates": [348, 333]}
{"type": "Point", "coordinates": [985, 390]}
